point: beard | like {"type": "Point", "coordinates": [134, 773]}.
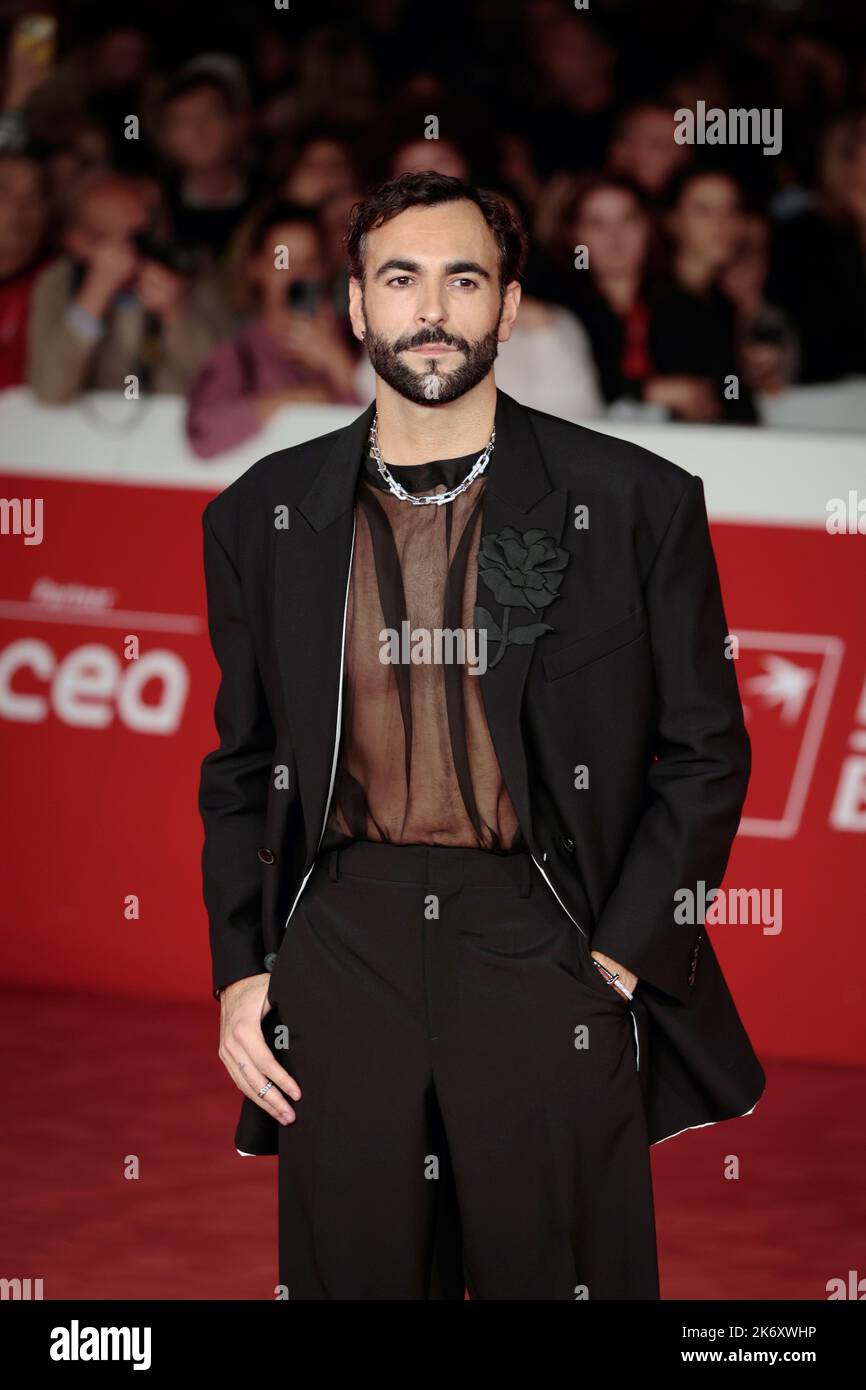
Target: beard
{"type": "Point", "coordinates": [433, 386]}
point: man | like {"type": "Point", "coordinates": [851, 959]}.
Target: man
{"type": "Point", "coordinates": [114, 307]}
{"type": "Point", "coordinates": [442, 874]}
{"type": "Point", "coordinates": [203, 129]}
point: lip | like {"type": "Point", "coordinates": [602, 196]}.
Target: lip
{"type": "Point", "coordinates": [433, 350]}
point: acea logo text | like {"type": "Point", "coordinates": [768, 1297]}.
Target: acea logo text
{"type": "Point", "coordinates": [129, 675]}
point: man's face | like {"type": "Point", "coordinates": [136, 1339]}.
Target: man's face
{"type": "Point", "coordinates": [109, 212]}
{"type": "Point", "coordinates": [431, 306]}
{"type": "Point", "coordinates": [199, 131]}
{"type": "Point", "coordinates": [613, 226]}
{"type": "Point", "coordinates": [708, 219]}
{"type": "Point", "coordinates": [304, 258]}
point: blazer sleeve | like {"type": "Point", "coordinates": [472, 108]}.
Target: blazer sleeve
{"type": "Point", "coordinates": [697, 782]}
{"type": "Point", "coordinates": [234, 781]}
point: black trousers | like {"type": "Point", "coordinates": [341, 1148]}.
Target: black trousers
{"type": "Point", "coordinates": [471, 1109]}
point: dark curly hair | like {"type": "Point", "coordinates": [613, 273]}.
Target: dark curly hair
{"type": "Point", "coordinates": [429, 189]}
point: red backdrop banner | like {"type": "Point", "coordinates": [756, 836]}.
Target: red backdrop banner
{"type": "Point", "coordinates": [102, 753]}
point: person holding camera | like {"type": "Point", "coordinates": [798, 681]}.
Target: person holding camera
{"type": "Point", "coordinates": [294, 346]}
{"type": "Point", "coordinates": [120, 307]}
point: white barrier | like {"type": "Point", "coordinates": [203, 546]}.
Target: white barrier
{"type": "Point", "coordinates": [750, 474]}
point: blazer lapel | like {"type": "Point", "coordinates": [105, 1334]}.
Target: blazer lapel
{"type": "Point", "coordinates": [311, 573]}
{"type": "Point", "coordinates": [519, 494]}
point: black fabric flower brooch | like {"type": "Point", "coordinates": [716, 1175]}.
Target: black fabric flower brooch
{"type": "Point", "coordinates": [521, 571]}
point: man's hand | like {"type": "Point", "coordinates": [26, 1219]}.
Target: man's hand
{"type": "Point", "coordinates": [628, 979]}
{"type": "Point", "coordinates": [111, 266]}
{"type": "Point", "coordinates": [244, 1051]}
{"type": "Point", "coordinates": [314, 340]}
{"type": "Point", "coordinates": [311, 338]}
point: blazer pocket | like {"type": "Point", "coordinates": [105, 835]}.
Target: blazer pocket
{"type": "Point", "coordinates": [594, 645]}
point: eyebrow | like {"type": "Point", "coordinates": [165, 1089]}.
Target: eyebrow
{"type": "Point", "coordinates": [451, 268]}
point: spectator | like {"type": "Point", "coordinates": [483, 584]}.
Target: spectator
{"type": "Point", "coordinates": [203, 131]}
{"type": "Point", "coordinates": [23, 220]}
{"type": "Point", "coordinates": [293, 348]}
{"type": "Point", "coordinates": [818, 273]}
{"type": "Point", "coordinates": [114, 305]}
{"type": "Point", "coordinates": [692, 330]}
{"type": "Point", "coordinates": [610, 217]}
{"type": "Point", "coordinates": [769, 348]}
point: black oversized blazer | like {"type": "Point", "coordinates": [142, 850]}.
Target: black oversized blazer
{"type": "Point", "coordinates": [632, 681]}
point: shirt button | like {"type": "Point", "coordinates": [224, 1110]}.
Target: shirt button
{"type": "Point", "coordinates": [567, 844]}
{"type": "Point", "coordinates": [270, 960]}
{"type": "Point", "coordinates": [266, 856]}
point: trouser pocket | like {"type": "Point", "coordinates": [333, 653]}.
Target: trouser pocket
{"type": "Point", "coordinates": [595, 975]}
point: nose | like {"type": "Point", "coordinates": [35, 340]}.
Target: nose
{"type": "Point", "coordinates": [431, 312]}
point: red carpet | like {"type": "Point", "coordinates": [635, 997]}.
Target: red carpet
{"type": "Point", "coordinates": [96, 1083]}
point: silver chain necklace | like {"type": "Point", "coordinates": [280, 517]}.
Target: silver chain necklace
{"type": "Point", "coordinates": [435, 499]}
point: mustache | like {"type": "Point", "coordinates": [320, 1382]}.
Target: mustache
{"type": "Point", "coordinates": [428, 337]}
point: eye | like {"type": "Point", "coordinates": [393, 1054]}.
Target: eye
{"type": "Point", "coordinates": [397, 279]}
{"type": "Point", "coordinates": [463, 281]}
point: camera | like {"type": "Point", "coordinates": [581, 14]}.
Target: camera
{"type": "Point", "coordinates": [180, 259]}
{"type": "Point", "coordinates": [304, 296]}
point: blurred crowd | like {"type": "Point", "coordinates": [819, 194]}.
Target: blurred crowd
{"type": "Point", "coordinates": [150, 163]}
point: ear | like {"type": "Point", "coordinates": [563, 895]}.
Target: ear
{"type": "Point", "coordinates": [510, 303]}
{"type": "Point", "coordinates": [356, 308]}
